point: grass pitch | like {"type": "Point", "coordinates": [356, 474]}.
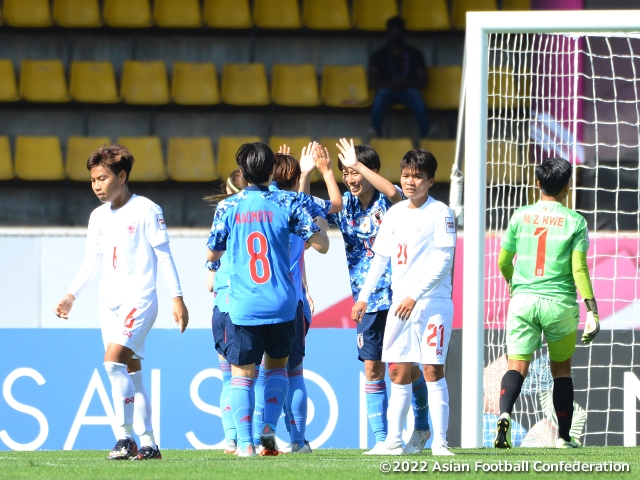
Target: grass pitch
{"type": "Point", "coordinates": [321, 464]}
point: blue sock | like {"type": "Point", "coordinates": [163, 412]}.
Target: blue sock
{"type": "Point", "coordinates": [296, 405]}
{"type": "Point", "coordinates": [242, 408]}
{"type": "Point", "coordinates": [420, 404]}
{"type": "Point", "coordinates": [377, 402]}
{"type": "Point", "coordinates": [225, 402]}
{"type": "Point", "coordinates": [276, 385]}
{"type": "Point", "coordinates": [258, 411]}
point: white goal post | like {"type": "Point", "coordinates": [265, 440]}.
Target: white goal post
{"type": "Point", "coordinates": [480, 26]}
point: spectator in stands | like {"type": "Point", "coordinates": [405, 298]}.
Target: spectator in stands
{"type": "Point", "coordinates": [397, 71]}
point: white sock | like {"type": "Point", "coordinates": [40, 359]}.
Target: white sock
{"type": "Point", "coordinates": [123, 394]}
{"type": "Point", "coordinates": [399, 404]}
{"type": "Point", "coordinates": [142, 410]}
{"type": "Point", "coordinates": [439, 410]}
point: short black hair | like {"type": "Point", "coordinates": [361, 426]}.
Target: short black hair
{"type": "Point", "coordinates": [553, 174]}
{"type": "Point", "coordinates": [421, 161]}
{"type": "Point", "coordinates": [256, 161]}
{"type": "Point", "coordinates": [395, 23]}
{"type": "Point", "coordinates": [366, 156]}
{"type": "Point", "coordinates": [115, 157]}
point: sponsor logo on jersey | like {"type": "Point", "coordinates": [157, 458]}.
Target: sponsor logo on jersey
{"type": "Point", "coordinates": [272, 400]}
{"type": "Point", "coordinates": [360, 338]}
{"type": "Point", "coordinates": [438, 351]}
{"type": "Point", "coordinates": [161, 223]}
{"type": "Point", "coordinates": [127, 334]}
{"type": "Point", "coordinates": [364, 225]}
{"type": "Point", "coordinates": [450, 224]}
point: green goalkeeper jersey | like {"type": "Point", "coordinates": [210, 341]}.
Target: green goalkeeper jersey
{"type": "Point", "coordinates": [544, 235]}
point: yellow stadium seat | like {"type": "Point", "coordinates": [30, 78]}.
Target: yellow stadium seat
{"type": "Point", "coordinates": [508, 164]}
{"type": "Point", "coordinates": [191, 160]}
{"type": "Point", "coordinates": [276, 14]}
{"type": "Point", "coordinates": [6, 167]}
{"type": "Point", "coordinates": [345, 86]}
{"type": "Point", "coordinates": [443, 87]}
{"type": "Point", "coordinates": [177, 13]}
{"type": "Point", "coordinates": [147, 153]}
{"type": "Point", "coordinates": [445, 153]}
{"type": "Point", "coordinates": [326, 14]}
{"type": "Point", "coordinates": [145, 83]}
{"type": "Point", "coordinates": [391, 151]}
{"type": "Point", "coordinates": [294, 86]}
{"type": "Point", "coordinates": [461, 7]}
{"type": "Point", "coordinates": [516, 4]}
{"type": "Point", "coordinates": [77, 13]}
{"type": "Point", "coordinates": [227, 149]}
{"type": "Point", "coordinates": [93, 82]}
{"type": "Point", "coordinates": [27, 13]}
{"type": "Point", "coordinates": [509, 91]}
{"type": "Point", "coordinates": [373, 14]}
{"type": "Point", "coordinates": [78, 151]}
{"type": "Point", "coordinates": [39, 158]}
{"type": "Point", "coordinates": [195, 84]}
{"type": "Point", "coordinates": [421, 15]}
{"type": "Point", "coordinates": [227, 14]}
{"type": "Point", "coordinates": [43, 81]}
{"type": "Point", "coordinates": [330, 144]}
{"type": "Point", "coordinates": [127, 13]}
{"type": "Point", "coordinates": [245, 84]}
{"type": "Point", "coordinates": [8, 87]}
{"type": "Point", "coordinates": [296, 144]}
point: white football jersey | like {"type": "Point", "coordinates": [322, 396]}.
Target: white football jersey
{"type": "Point", "coordinates": [410, 236]}
{"type": "Point", "coordinates": [126, 238]}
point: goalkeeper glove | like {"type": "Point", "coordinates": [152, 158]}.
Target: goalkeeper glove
{"type": "Point", "coordinates": [592, 325]}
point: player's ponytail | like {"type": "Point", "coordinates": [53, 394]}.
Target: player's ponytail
{"type": "Point", "coordinates": [233, 185]}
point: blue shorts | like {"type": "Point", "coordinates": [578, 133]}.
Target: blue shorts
{"type": "Point", "coordinates": [302, 327]}
{"type": "Point", "coordinates": [246, 344]}
{"type": "Point", "coordinates": [219, 323]}
{"type": "Point", "coordinates": [370, 334]}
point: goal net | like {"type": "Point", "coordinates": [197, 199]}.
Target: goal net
{"type": "Point", "coordinates": [573, 94]}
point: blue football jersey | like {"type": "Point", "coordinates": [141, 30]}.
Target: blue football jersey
{"type": "Point", "coordinates": [221, 287]}
{"type": "Point", "coordinates": [359, 228]}
{"type": "Point", "coordinates": [253, 228]}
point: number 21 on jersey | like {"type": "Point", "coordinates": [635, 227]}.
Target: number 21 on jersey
{"type": "Point", "coordinates": [259, 267]}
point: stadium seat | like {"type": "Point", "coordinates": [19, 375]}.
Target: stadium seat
{"type": "Point", "coordinates": [227, 149]}
{"type": "Point", "coordinates": [8, 86]}
{"type": "Point", "coordinates": [227, 14]}
{"type": "Point", "coordinates": [445, 153]}
{"type": "Point", "coordinates": [147, 152]}
{"type": "Point", "coordinates": [43, 81]}
{"type": "Point", "coordinates": [507, 164]}
{"type": "Point", "coordinates": [516, 4]}
{"type": "Point", "coordinates": [195, 84]}
{"type": "Point", "coordinates": [422, 15]}
{"type": "Point", "coordinates": [145, 83]}
{"type": "Point", "coordinates": [276, 14]}
{"type": "Point", "coordinates": [511, 90]}
{"type": "Point", "coordinates": [372, 15]}
{"type": "Point", "coordinates": [326, 14]}
{"type": "Point", "coordinates": [294, 86]}
{"type": "Point", "coordinates": [127, 13]}
{"type": "Point", "coordinates": [443, 87]}
{"type": "Point", "coordinates": [77, 13]}
{"type": "Point", "coordinates": [78, 151]}
{"type": "Point", "coordinates": [461, 7]}
{"type": "Point", "coordinates": [391, 151]}
{"type": "Point", "coordinates": [39, 158]}
{"type": "Point", "coordinates": [27, 13]}
{"type": "Point", "coordinates": [245, 84]}
{"type": "Point", "coordinates": [93, 82]}
{"type": "Point", "coordinates": [296, 144]}
{"type": "Point", "coordinates": [177, 13]}
{"type": "Point", "coordinates": [6, 167]}
{"type": "Point", "coordinates": [191, 160]}
{"type": "Point", "coordinates": [330, 144]}
{"type": "Point", "coordinates": [345, 86]}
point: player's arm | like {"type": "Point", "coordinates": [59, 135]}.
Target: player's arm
{"type": "Point", "coordinates": [505, 264]}
{"type": "Point", "coordinates": [583, 284]}
{"type": "Point", "coordinates": [323, 163]}
{"type": "Point", "coordinates": [212, 268]}
{"type": "Point", "coordinates": [165, 259]}
{"type": "Point", "coordinates": [376, 270]}
{"type": "Point", "coordinates": [307, 165]}
{"type": "Point", "coordinates": [306, 288]}
{"type": "Point", "coordinates": [87, 271]}
{"type": "Point", "coordinates": [349, 160]}
{"type": "Point", "coordinates": [319, 241]}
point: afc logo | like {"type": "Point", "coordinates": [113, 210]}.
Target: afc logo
{"type": "Point", "coordinates": [450, 224]}
{"type": "Point", "coordinates": [161, 223]}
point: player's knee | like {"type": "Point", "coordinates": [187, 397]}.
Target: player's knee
{"type": "Point", "coordinates": [373, 370]}
{"type": "Point", "coordinates": [433, 373]}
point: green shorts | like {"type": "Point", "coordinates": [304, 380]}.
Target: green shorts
{"type": "Point", "coordinates": [529, 316]}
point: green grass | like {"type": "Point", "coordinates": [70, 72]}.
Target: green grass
{"type": "Point", "coordinates": [322, 464]}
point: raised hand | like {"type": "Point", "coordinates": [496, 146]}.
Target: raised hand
{"type": "Point", "coordinates": [284, 149]}
{"type": "Point", "coordinates": [307, 162]}
{"type": "Point", "coordinates": [347, 153]}
{"type": "Point", "coordinates": [323, 159]}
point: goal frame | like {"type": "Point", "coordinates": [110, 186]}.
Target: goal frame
{"type": "Point", "coordinates": [479, 26]}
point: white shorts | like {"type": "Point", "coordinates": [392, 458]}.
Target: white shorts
{"type": "Point", "coordinates": [128, 324]}
{"type": "Point", "coordinates": [424, 337]}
